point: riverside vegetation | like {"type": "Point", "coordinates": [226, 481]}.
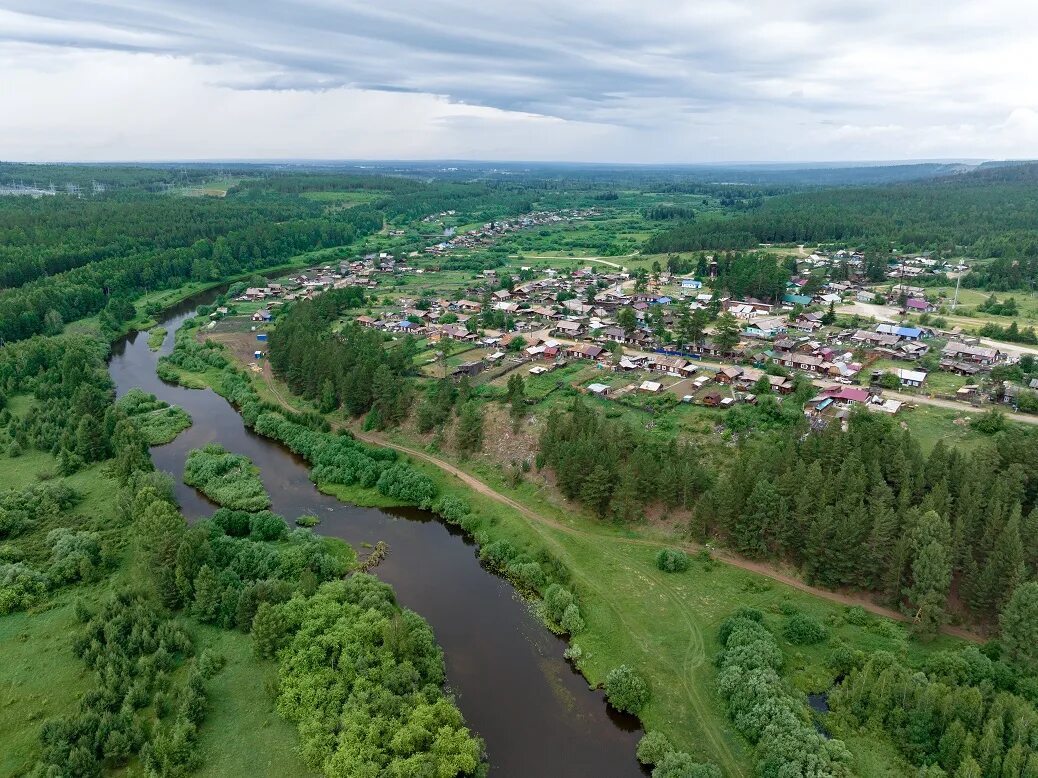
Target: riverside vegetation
{"type": "Point", "coordinates": [160, 613]}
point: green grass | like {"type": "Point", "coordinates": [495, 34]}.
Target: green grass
{"type": "Point", "coordinates": [343, 199]}
{"type": "Point", "coordinates": [158, 421]}
{"type": "Point", "coordinates": [156, 337]}
{"type": "Point", "coordinates": [40, 678]}
{"type": "Point", "coordinates": [929, 424]}
{"type": "Point", "coordinates": [665, 624]}
{"type": "Point", "coordinates": [243, 734]}
{"type": "Point", "coordinates": [20, 471]}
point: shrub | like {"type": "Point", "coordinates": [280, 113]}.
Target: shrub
{"type": "Point", "coordinates": [678, 764]}
{"type": "Point", "coordinates": [230, 480]}
{"type": "Point", "coordinates": [571, 620]}
{"type": "Point", "coordinates": [803, 630]}
{"type": "Point", "coordinates": [653, 747]}
{"type": "Point", "coordinates": [20, 586]}
{"type": "Point", "coordinates": [672, 560]}
{"type": "Point", "coordinates": [452, 509]}
{"type": "Point", "coordinates": [403, 482]}
{"type": "Point", "coordinates": [626, 690]}
{"type": "Point", "coordinates": [856, 615]}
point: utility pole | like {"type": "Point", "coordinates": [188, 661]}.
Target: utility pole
{"type": "Point", "coordinates": [955, 300]}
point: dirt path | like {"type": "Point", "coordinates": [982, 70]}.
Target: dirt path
{"type": "Point", "coordinates": [744, 564]}
{"type": "Point", "coordinates": [759, 568]}
{"type": "Point", "coordinates": [600, 260]}
{"type": "Point", "coordinates": [952, 405]}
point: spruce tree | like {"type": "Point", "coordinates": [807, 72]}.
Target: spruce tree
{"type": "Point", "coordinates": [1019, 621]}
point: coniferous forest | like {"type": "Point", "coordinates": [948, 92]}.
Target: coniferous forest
{"type": "Point", "coordinates": [661, 551]}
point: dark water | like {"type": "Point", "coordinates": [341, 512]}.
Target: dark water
{"type": "Point", "coordinates": [535, 712]}
{"type": "Point", "coordinates": [819, 703]}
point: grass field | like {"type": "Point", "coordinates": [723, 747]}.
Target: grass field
{"type": "Point", "coordinates": [243, 734]}
{"type": "Point", "coordinates": [39, 678]}
{"type": "Point", "coordinates": [665, 624]}
{"type": "Point", "coordinates": [929, 424]}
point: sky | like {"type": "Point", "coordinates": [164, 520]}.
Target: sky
{"type": "Point", "coordinates": [643, 81]}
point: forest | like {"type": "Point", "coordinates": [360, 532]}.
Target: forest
{"type": "Point", "coordinates": [947, 538]}
{"type": "Point", "coordinates": [988, 212]}
{"type": "Point", "coordinates": [949, 534]}
{"type": "Point", "coordinates": [62, 267]}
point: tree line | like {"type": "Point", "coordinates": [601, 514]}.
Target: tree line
{"type": "Point", "coordinates": [614, 469]}
{"type": "Point", "coordinates": [866, 509]}
{"type": "Point", "coordinates": [985, 213]}
{"type": "Point", "coordinates": [106, 284]}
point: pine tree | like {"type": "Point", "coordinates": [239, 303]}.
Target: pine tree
{"type": "Point", "coordinates": [1003, 569]}
{"type": "Point", "coordinates": [1019, 621]}
{"type": "Point", "coordinates": [208, 595]}
{"type": "Point", "coordinates": [597, 490]}
{"type": "Point", "coordinates": [726, 333]}
{"type": "Point", "coordinates": [468, 436]}
{"type": "Point", "coordinates": [762, 514]}
{"type": "Point", "coordinates": [329, 401]}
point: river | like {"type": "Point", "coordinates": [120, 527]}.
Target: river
{"type": "Point", "coordinates": [535, 712]}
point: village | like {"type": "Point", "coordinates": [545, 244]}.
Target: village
{"type": "Point", "coordinates": [626, 328]}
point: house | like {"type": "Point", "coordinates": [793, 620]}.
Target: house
{"type": "Point", "coordinates": [962, 368]}
{"type": "Point", "coordinates": [908, 333]}
{"type": "Point", "coordinates": [910, 377]}
{"type": "Point", "coordinates": [568, 328]}
{"type": "Point", "coordinates": [262, 315]}
{"type": "Point", "coordinates": [614, 334]}
{"type": "Point", "coordinates": [691, 283]}
{"type": "Point", "coordinates": [875, 339]}
{"type": "Point", "coordinates": [712, 399]}
{"type": "Point", "coordinates": [728, 374]}
{"type": "Point", "coordinates": [366, 321]}
{"type": "Point", "coordinates": [918, 305]}
{"type": "Point", "coordinates": [979, 355]}
{"type": "Point", "coordinates": [765, 328]}
{"type": "Point", "coordinates": [584, 351]}
{"type": "Point", "coordinates": [652, 387]}
{"type": "Point", "coordinates": [796, 299]}
{"type": "Point", "coordinates": [666, 364]}
{"type": "Point", "coordinates": [600, 389]}
{"type": "Point", "coordinates": [468, 369]}
{"type": "Point", "coordinates": [845, 395]}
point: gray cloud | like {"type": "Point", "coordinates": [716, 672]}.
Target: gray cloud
{"type": "Point", "coordinates": [654, 68]}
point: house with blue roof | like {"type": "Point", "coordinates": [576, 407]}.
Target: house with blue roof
{"type": "Point", "coordinates": [691, 283]}
{"type": "Point", "coordinates": [908, 333]}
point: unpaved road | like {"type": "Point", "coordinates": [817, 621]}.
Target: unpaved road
{"type": "Point", "coordinates": [744, 564]}
{"type": "Point", "coordinates": [724, 556]}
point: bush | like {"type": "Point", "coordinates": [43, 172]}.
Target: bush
{"type": "Point", "coordinates": [856, 615]}
{"type": "Point", "coordinates": [403, 482]}
{"type": "Point", "coordinates": [989, 423]}
{"type": "Point", "coordinates": [672, 560]}
{"type": "Point", "coordinates": [678, 764]}
{"type": "Point", "coordinates": [626, 690]}
{"type": "Point", "coordinates": [803, 630]}
{"type": "Point", "coordinates": [653, 747]}
{"type": "Point", "coordinates": [230, 480]}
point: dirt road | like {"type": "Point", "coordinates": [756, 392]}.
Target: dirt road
{"type": "Point", "coordinates": [736, 561]}
{"type": "Point", "coordinates": [849, 599]}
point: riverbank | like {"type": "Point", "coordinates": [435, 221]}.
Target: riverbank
{"type": "Point", "coordinates": [663, 624]}
{"type": "Point", "coordinates": [494, 646]}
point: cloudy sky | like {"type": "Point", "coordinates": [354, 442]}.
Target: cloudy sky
{"type": "Point", "coordinates": [579, 80]}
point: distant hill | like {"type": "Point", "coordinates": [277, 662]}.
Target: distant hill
{"type": "Point", "coordinates": [989, 210]}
